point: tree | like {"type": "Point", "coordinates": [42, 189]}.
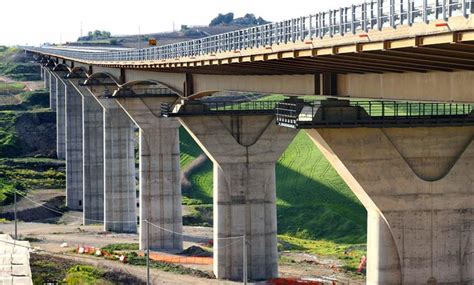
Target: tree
{"type": "Point", "coordinates": [97, 34]}
{"type": "Point", "coordinates": [222, 19]}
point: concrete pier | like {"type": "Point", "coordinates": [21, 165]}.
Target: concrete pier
{"type": "Point", "coordinates": [160, 188]}
{"type": "Point", "coordinates": [120, 192]}
{"type": "Point", "coordinates": [93, 147]}
{"type": "Point", "coordinates": [418, 187]}
{"type": "Point", "coordinates": [52, 90]}
{"type": "Point", "coordinates": [119, 206]}
{"type": "Point", "coordinates": [74, 153]}
{"type": "Point", "coordinates": [60, 116]}
{"type": "Point", "coordinates": [46, 81]}
{"type": "Point", "coordinates": [244, 150]}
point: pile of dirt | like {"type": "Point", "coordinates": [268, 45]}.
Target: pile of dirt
{"type": "Point", "coordinates": [196, 251]}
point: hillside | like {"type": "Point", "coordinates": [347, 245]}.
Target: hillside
{"type": "Point", "coordinates": [27, 129]}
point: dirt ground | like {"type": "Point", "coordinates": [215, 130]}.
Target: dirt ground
{"type": "Point", "coordinates": [50, 230]}
{"type": "Point", "coordinates": [29, 85]}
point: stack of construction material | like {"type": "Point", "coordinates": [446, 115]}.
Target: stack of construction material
{"type": "Point", "coordinates": [14, 261]}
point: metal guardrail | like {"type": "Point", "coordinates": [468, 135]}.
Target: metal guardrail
{"type": "Point", "coordinates": [206, 108]}
{"type": "Point", "coordinates": [373, 114]}
{"type": "Point", "coordinates": [345, 20]}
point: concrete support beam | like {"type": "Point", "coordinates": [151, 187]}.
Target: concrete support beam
{"type": "Point", "coordinates": [46, 80]}
{"type": "Point", "coordinates": [52, 91]}
{"type": "Point", "coordinates": [382, 255]}
{"type": "Point", "coordinates": [160, 188]}
{"type": "Point", "coordinates": [93, 147]}
{"type": "Point", "coordinates": [160, 195]}
{"type": "Point", "coordinates": [418, 187]}
{"type": "Point", "coordinates": [74, 153]}
{"type": "Point", "coordinates": [244, 151]}
{"type": "Point", "coordinates": [120, 193]}
{"type": "Point", "coordinates": [60, 116]}
{"type": "Point", "coordinates": [119, 164]}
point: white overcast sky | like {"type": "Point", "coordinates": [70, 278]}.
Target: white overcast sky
{"type": "Point", "coordinates": [37, 21]}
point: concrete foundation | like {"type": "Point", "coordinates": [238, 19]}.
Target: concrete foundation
{"type": "Point", "coordinates": [52, 90]}
{"type": "Point", "coordinates": [160, 188]}
{"type": "Point", "coordinates": [74, 153]}
{"type": "Point", "coordinates": [418, 187]}
{"type": "Point", "coordinates": [244, 151]}
{"type": "Point", "coordinates": [60, 117]}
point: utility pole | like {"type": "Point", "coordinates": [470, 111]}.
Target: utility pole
{"type": "Point", "coordinates": [147, 252]}
{"type": "Point", "coordinates": [139, 37]}
{"type": "Point", "coordinates": [244, 240]}
{"type": "Point", "coordinates": [16, 221]}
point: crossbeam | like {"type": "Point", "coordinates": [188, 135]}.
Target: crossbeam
{"type": "Point", "coordinates": [376, 114]}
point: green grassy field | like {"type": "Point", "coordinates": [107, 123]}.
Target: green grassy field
{"type": "Point", "coordinates": [313, 201]}
{"type": "Point", "coordinates": [11, 88]}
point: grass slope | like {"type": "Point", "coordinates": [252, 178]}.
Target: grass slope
{"type": "Point", "coordinates": [313, 201]}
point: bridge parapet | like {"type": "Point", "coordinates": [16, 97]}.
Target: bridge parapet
{"type": "Point", "coordinates": [216, 108]}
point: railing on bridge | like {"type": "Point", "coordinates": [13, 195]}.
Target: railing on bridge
{"type": "Point", "coordinates": [210, 108]}
{"type": "Point", "coordinates": [345, 20]}
{"type": "Point", "coordinates": [142, 92]}
{"type": "Point", "coordinates": [335, 113]}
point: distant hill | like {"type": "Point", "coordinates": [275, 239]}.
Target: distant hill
{"type": "Point", "coordinates": [223, 23]}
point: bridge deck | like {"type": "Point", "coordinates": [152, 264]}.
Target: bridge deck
{"type": "Point", "coordinates": [374, 37]}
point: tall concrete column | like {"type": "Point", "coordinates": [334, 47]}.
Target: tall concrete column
{"type": "Point", "coordinates": [120, 193]}
{"type": "Point", "coordinates": [418, 187]}
{"type": "Point", "coordinates": [46, 81]}
{"type": "Point", "coordinates": [60, 117]}
{"type": "Point", "coordinates": [93, 159]}
{"type": "Point", "coordinates": [52, 91]}
{"type": "Point", "coordinates": [160, 188]}
{"type": "Point", "coordinates": [382, 255]}
{"type": "Point", "coordinates": [74, 153]}
{"type": "Point", "coordinates": [160, 195]}
{"type": "Point", "coordinates": [244, 150]}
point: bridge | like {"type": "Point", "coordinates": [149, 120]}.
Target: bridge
{"type": "Point", "coordinates": [393, 116]}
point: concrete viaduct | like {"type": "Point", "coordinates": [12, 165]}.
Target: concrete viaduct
{"type": "Point", "coordinates": [416, 181]}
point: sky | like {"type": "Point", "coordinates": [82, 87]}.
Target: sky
{"type": "Point", "coordinates": [34, 22]}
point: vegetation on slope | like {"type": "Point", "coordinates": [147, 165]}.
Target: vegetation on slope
{"type": "Point", "coordinates": [16, 66]}
{"type": "Point", "coordinates": [11, 88]}
{"type": "Point", "coordinates": [48, 269]}
{"type": "Point", "coordinates": [27, 132]}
